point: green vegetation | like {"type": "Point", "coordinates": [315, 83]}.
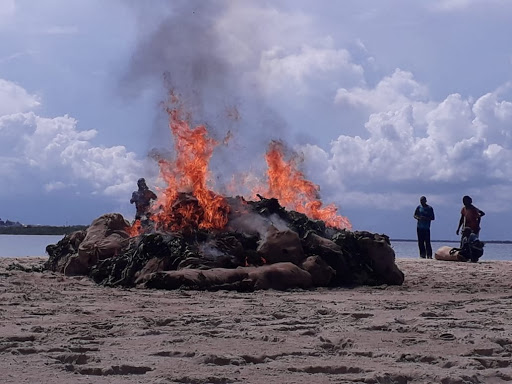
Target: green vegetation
{"type": "Point", "coordinates": [40, 230]}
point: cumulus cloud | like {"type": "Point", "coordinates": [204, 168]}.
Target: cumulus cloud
{"type": "Point", "coordinates": [391, 92]}
{"type": "Point", "coordinates": [49, 154]}
{"type": "Point", "coordinates": [276, 57]}
{"type": "Point", "coordinates": [14, 99]}
{"type": "Point", "coordinates": [414, 143]}
{"type": "Point", "coordinates": [284, 69]}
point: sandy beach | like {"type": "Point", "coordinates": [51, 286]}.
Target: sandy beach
{"type": "Point", "coordinates": [449, 323]}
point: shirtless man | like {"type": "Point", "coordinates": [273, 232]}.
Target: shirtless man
{"type": "Point", "coordinates": [470, 216]}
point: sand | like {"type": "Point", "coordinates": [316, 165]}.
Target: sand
{"type": "Point", "coordinates": [449, 323]}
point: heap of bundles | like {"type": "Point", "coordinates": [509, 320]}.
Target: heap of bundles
{"type": "Point", "coordinates": [263, 246]}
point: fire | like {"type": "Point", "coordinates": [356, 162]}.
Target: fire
{"type": "Point", "coordinates": [187, 202]}
{"type": "Point", "coordinates": [135, 229]}
{"type": "Point", "coordinates": [288, 185]}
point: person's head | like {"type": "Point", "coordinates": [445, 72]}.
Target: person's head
{"type": "Point", "coordinates": [141, 183]}
{"type": "Point", "coordinates": [466, 200]}
{"type": "Point", "coordinates": [466, 231]}
{"type": "Point", "coordinates": [423, 200]}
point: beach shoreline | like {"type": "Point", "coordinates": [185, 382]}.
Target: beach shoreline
{"type": "Point", "coordinates": [448, 323]}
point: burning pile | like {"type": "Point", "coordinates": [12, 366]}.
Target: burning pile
{"type": "Point", "coordinates": [197, 238]}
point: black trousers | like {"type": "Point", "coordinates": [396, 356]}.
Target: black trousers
{"type": "Point", "coordinates": [424, 242]}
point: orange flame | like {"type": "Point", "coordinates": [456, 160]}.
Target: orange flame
{"type": "Point", "coordinates": [187, 203]}
{"type": "Point", "coordinates": [199, 207]}
{"type": "Point", "coordinates": [135, 229]}
{"type": "Point", "coordinates": [288, 185]}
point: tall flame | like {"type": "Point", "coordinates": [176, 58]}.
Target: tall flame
{"type": "Point", "coordinates": [187, 203]}
{"type": "Point", "coordinates": [202, 208]}
{"type": "Point", "coordinates": [288, 185]}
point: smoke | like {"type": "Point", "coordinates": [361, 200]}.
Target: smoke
{"type": "Point", "coordinates": [182, 53]}
{"type": "Point", "coordinates": [209, 250]}
{"type": "Point", "coordinates": [257, 224]}
{"type": "Point", "coordinates": [183, 48]}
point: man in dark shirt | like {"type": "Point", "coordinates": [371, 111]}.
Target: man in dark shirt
{"type": "Point", "coordinates": [142, 199]}
{"type": "Point", "coordinates": [424, 214]}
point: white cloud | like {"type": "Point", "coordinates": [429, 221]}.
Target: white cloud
{"type": "Point", "coordinates": [451, 120]}
{"type": "Point", "coordinates": [415, 143]}
{"type": "Point", "coordinates": [282, 69]}
{"type": "Point", "coordinates": [493, 117]}
{"type": "Point", "coordinates": [46, 147]}
{"type": "Point", "coordinates": [281, 50]}
{"type": "Point", "coordinates": [392, 92]}
{"type": "Point", "coordinates": [14, 99]}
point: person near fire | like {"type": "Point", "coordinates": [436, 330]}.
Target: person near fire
{"type": "Point", "coordinates": [142, 199]}
{"type": "Point", "coordinates": [424, 214]}
{"type": "Point", "coordinates": [470, 216]}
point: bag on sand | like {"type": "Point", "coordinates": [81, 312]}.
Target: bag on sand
{"type": "Point", "coordinates": [447, 253]}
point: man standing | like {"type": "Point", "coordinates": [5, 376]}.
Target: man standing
{"type": "Point", "coordinates": [470, 216]}
{"type": "Point", "coordinates": [424, 214]}
{"type": "Point", "coordinates": [142, 199]}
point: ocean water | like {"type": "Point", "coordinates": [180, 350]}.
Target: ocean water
{"type": "Point", "coordinates": [492, 251]}
{"type": "Point", "coordinates": [32, 245]}
{"type": "Point", "coordinates": [26, 245]}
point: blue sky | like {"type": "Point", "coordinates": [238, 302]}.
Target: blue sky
{"type": "Point", "coordinates": [386, 101]}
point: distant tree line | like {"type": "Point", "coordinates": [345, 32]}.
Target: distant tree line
{"type": "Point", "coordinates": [40, 230]}
{"type": "Point", "coordinates": [9, 223]}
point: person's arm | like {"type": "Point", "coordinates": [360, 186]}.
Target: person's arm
{"type": "Point", "coordinates": [432, 216]}
{"type": "Point", "coordinates": [481, 213]}
{"type": "Point", "coordinates": [417, 213]}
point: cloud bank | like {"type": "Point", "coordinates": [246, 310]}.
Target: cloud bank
{"type": "Point", "coordinates": [44, 154]}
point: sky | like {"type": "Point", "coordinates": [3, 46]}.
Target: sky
{"type": "Point", "coordinates": [383, 101]}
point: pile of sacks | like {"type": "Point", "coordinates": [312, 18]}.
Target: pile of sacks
{"type": "Point", "coordinates": [263, 246]}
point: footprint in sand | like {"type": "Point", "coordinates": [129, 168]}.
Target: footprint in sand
{"type": "Point", "coordinates": [447, 336]}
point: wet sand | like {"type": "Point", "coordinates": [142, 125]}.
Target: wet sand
{"type": "Point", "coordinates": [449, 323]}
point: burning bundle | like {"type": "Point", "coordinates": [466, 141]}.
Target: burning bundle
{"type": "Point", "coordinates": [262, 246]}
{"type": "Point", "coordinates": [200, 239]}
